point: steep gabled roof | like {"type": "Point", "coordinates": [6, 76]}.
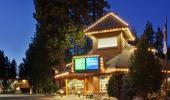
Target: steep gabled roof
{"type": "Point", "coordinates": [110, 22]}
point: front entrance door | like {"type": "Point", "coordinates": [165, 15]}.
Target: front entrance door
{"type": "Point", "coordinates": [75, 85]}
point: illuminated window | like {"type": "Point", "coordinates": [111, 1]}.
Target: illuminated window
{"type": "Point", "coordinates": [75, 85]}
{"type": "Point", "coordinates": [103, 83]}
{"type": "Point", "coordinates": [107, 42]}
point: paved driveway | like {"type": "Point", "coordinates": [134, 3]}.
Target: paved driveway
{"type": "Point", "coordinates": [72, 97]}
{"type": "Point", "coordinates": [39, 97]}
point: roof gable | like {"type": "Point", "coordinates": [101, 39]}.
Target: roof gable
{"type": "Point", "coordinates": [109, 21]}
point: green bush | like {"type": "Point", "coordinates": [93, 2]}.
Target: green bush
{"type": "Point", "coordinates": [50, 88]}
{"type": "Point", "coordinates": [115, 85]}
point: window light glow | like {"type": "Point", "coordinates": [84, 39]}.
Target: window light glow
{"type": "Point", "coordinates": [152, 50]}
{"type": "Point", "coordinates": [164, 71]}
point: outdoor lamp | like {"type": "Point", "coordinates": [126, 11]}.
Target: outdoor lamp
{"type": "Point", "coordinates": [78, 92]}
{"type": "Point", "coordinates": [61, 92]}
{"type": "Point", "coordinates": [18, 88]}
{"type": "Point", "coordinates": [24, 81]}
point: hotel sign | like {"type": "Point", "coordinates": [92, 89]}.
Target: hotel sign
{"type": "Point", "coordinates": [92, 63]}
{"type": "Point", "coordinates": [83, 64]}
{"type": "Point", "coordinates": [79, 63]}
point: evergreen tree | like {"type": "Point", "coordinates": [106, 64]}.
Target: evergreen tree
{"type": "Point", "coordinates": [4, 70]}
{"type": "Point", "coordinates": [66, 26]}
{"type": "Point", "coordinates": [12, 72]}
{"type": "Point", "coordinates": [36, 70]}
{"type": "Point", "coordinates": [59, 26]}
{"type": "Point", "coordinates": [149, 33]}
{"type": "Point", "coordinates": [159, 42]}
{"type": "Point", "coordinates": [145, 74]}
{"type": "Point", "coordinates": [98, 8]}
{"type": "Point", "coordinates": [114, 86]}
{"type": "Point", "coordinates": [91, 11]}
{"type": "Point", "coordinates": [128, 90]}
{"type": "Point", "coordinates": [4, 63]}
{"type": "Point", "coordinates": [22, 71]}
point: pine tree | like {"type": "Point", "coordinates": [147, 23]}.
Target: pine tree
{"type": "Point", "coordinates": [145, 74]}
{"type": "Point", "coordinates": [159, 42]}
{"type": "Point", "coordinates": [12, 72]}
{"type": "Point", "coordinates": [149, 33]}
{"type": "Point", "coordinates": [98, 8]}
{"type": "Point", "coordinates": [91, 10]}
{"type": "Point", "coordinates": [22, 71]}
{"type": "Point", "coordinates": [4, 63]}
{"type": "Point", "coordinates": [36, 69]}
{"type": "Point", "coordinates": [4, 70]}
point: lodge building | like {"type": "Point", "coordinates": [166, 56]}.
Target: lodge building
{"type": "Point", "coordinates": [110, 54]}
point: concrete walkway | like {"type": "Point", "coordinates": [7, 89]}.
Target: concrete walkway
{"type": "Point", "coordinates": [71, 97]}
{"type": "Point", "coordinates": [46, 97]}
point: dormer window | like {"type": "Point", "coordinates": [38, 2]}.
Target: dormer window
{"type": "Point", "coordinates": [107, 42]}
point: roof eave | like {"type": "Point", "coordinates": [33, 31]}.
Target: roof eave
{"type": "Point", "coordinates": [104, 17]}
{"type": "Point", "coordinates": [125, 29]}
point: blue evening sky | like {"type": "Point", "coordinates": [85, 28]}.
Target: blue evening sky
{"type": "Point", "coordinates": [17, 25]}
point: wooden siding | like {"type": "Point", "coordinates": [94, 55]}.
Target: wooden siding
{"type": "Point", "coordinates": [110, 52]}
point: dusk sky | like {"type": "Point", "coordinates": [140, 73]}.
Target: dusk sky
{"type": "Point", "coordinates": [17, 24]}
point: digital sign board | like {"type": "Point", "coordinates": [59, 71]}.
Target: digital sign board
{"type": "Point", "coordinates": [79, 63]}
{"type": "Point", "coordinates": [84, 64]}
{"type": "Point", "coordinates": [92, 63]}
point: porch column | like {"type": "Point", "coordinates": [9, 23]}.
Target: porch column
{"type": "Point", "coordinates": [66, 85]}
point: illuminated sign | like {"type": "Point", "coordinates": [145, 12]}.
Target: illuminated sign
{"type": "Point", "coordinates": [92, 63]}
{"type": "Point", "coordinates": [86, 64]}
{"type": "Point", "coordinates": [79, 63]}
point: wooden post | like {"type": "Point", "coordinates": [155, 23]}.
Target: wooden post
{"type": "Point", "coordinates": [66, 85]}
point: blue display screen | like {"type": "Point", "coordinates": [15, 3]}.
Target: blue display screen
{"type": "Point", "coordinates": [92, 63]}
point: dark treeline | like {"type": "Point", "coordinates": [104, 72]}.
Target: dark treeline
{"type": "Point", "coordinates": [155, 39]}
{"type": "Point", "coordinates": [7, 67]}
{"type": "Point", "coordinates": [8, 71]}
